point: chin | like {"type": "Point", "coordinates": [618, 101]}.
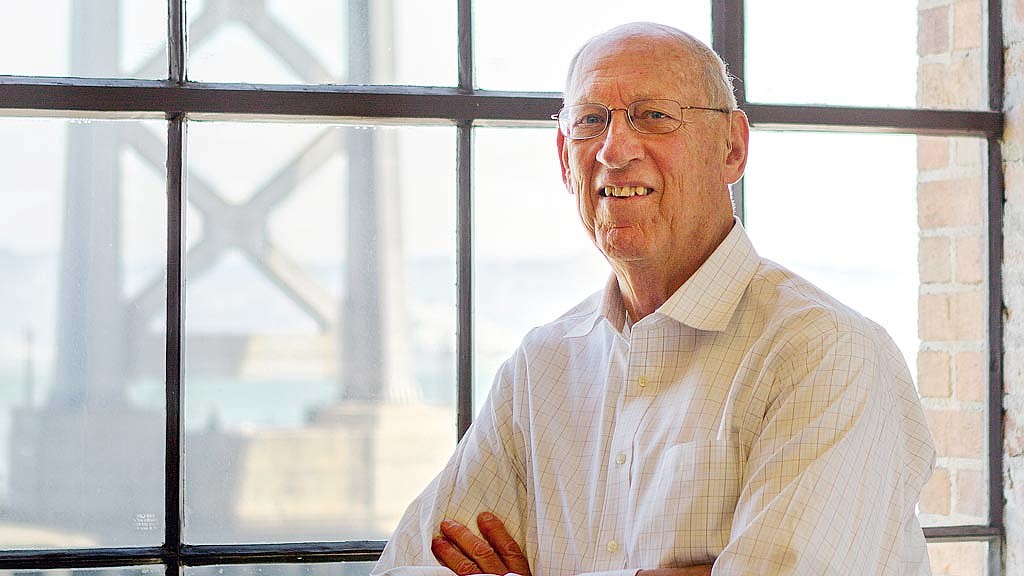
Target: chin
{"type": "Point", "coordinates": [622, 250]}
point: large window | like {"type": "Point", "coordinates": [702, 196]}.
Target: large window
{"type": "Point", "coordinates": [261, 259]}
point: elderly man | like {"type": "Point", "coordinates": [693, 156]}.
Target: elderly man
{"type": "Point", "coordinates": [708, 411]}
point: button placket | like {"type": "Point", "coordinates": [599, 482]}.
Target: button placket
{"type": "Point", "coordinates": [608, 553]}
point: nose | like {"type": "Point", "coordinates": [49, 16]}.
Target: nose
{"type": "Point", "coordinates": [621, 144]}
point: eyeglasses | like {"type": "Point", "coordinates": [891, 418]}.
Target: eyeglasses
{"type": "Point", "coordinates": [654, 116]}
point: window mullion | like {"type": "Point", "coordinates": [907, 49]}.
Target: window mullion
{"type": "Point", "coordinates": [995, 54]}
{"type": "Point", "coordinates": [727, 39]}
{"type": "Point", "coordinates": [464, 229]}
{"type": "Point", "coordinates": [465, 31]}
{"type": "Point", "coordinates": [995, 332]}
{"type": "Point", "coordinates": [464, 278]}
{"type": "Point", "coordinates": [173, 505]}
{"type": "Point", "coordinates": [176, 41]}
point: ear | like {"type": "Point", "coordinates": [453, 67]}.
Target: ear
{"type": "Point", "coordinates": [736, 147]}
{"type": "Point", "coordinates": [563, 159]}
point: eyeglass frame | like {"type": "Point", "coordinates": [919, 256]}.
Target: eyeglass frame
{"type": "Point", "coordinates": [629, 119]}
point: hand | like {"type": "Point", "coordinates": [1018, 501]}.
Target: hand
{"type": "Point", "coordinates": [702, 570]}
{"type": "Point", "coordinates": [465, 553]}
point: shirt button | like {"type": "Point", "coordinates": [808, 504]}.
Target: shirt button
{"type": "Point", "coordinates": [642, 381]}
{"type": "Point", "coordinates": [612, 546]}
{"type": "Point", "coordinates": [620, 458]}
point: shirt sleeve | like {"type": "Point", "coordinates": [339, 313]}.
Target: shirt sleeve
{"type": "Point", "coordinates": [484, 474]}
{"type": "Point", "coordinates": [831, 481]}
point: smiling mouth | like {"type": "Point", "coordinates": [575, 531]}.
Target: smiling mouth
{"type": "Point", "coordinates": [624, 191]}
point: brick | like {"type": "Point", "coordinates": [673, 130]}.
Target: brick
{"type": "Point", "coordinates": [935, 495]}
{"type": "Point", "coordinates": [933, 30]}
{"type": "Point", "coordinates": [967, 25]}
{"type": "Point", "coordinates": [971, 376]}
{"type": "Point", "coordinates": [949, 203]}
{"type": "Point", "coordinates": [957, 433]}
{"type": "Point", "coordinates": [958, 558]}
{"type": "Point", "coordinates": [934, 262]}
{"type": "Point", "coordinates": [933, 374]}
{"type": "Point", "coordinates": [1013, 515]}
{"type": "Point", "coordinates": [1014, 182]}
{"type": "Point", "coordinates": [1013, 371]}
{"type": "Point", "coordinates": [1013, 125]}
{"type": "Point", "coordinates": [968, 152]}
{"type": "Point", "coordinates": [1013, 70]}
{"type": "Point", "coordinates": [971, 265]}
{"type": "Point", "coordinates": [953, 85]}
{"type": "Point", "coordinates": [958, 316]}
{"type": "Point", "coordinates": [1013, 435]}
{"type": "Point", "coordinates": [971, 493]}
{"type": "Point", "coordinates": [932, 153]}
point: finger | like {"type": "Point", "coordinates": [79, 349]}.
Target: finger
{"type": "Point", "coordinates": [473, 547]}
{"type": "Point", "coordinates": [452, 558]}
{"type": "Point", "coordinates": [493, 529]}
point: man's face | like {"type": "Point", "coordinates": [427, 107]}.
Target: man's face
{"type": "Point", "coordinates": [684, 174]}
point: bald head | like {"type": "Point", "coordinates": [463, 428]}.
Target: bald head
{"type": "Point", "coordinates": [711, 73]}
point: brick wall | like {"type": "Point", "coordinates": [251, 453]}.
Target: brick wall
{"type": "Point", "coordinates": [1013, 284]}
{"type": "Point", "coordinates": [952, 361]}
{"type": "Point", "coordinates": [949, 42]}
{"type": "Point", "coordinates": [941, 267]}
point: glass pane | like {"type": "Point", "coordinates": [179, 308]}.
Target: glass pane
{"type": "Point", "coordinates": [904, 244]}
{"type": "Point", "coordinates": [320, 375]}
{"type": "Point", "coordinates": [800, 186]}
{"type": "Point", "coordinates": [529, 48]}
{"type": "Point", "coordinates": [103, 38]}
{"type": "Point", "coordinates": [810, 52]}
{"type": "Point", "coordinates": [959, 558]}
{"type": "Point", "coordinates": [532, 258]}
{"type": "Point", "coordinates": [82, 245]}
{"type": "Point", "coordinates": [323, 42]}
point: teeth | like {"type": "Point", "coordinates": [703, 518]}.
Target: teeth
{"type": "Point", "coordinates": [625, 191]}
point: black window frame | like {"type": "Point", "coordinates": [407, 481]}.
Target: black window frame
{"type": "Point", "coordinates": [466, 107]}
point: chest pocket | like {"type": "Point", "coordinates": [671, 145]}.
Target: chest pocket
{"type": "Point", "coordinates": [684, 511]}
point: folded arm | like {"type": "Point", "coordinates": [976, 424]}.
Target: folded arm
{"type": "Point", "coordinates": [496, 552]}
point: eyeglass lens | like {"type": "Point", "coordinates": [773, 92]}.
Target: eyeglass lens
{"type": "Point", "coordinates": [583, 121]}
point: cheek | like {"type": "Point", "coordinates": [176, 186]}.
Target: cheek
{"type": "Point", "coordinates": [580, 158]}
{"type": "Point", "coordinates": [578, 180]}
{"type": "Point", "coordinates": [584, 205]}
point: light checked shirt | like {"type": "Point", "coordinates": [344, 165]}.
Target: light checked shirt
{"type": "Point", "coordinates": [752, 421]}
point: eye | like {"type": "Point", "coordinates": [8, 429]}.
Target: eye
{"type": "Point", "coordinates": [589, 119]}
{"type": "Point", "coordinates": [649, 113]}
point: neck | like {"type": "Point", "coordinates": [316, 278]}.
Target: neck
{"type": "Point", "coordinates": [644, 289]}
{"type": "Point", "coordinates": [646, 284]}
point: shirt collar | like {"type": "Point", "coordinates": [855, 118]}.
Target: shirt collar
{"type": "Point", "coordinates": [706, 301]}
{"type": "Point", "coordinates": [709, 298]}
{"type": "Point", "coordinates": [611, 308]}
